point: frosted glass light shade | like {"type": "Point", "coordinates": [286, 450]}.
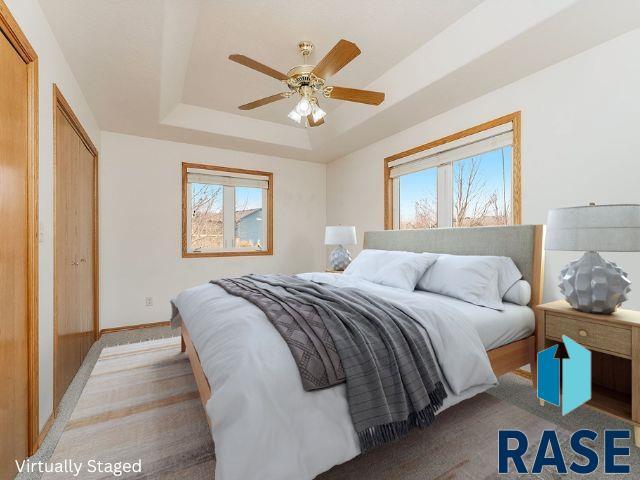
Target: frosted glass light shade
{"type": "Point", "coordinates": [318, 114]}
{"type": "Point", "coordinates": [595, 228]}
{"type": "Point", "coordinates": [293, 115]}
{"type": "Point", "coordinates": [303, 107]}
{"type": "Point", "coordinates": [339, 235]}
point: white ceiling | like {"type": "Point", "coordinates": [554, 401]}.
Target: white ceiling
{"type": "Point", "coordinates": [159, 68]}
{"type": "Point", "coordinates": [269, 31]}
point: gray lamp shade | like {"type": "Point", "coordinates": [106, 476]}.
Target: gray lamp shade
{"type": "Point", "coordinates": [339, 235]}
{"type": "Point", "coordinates": [596, 228]}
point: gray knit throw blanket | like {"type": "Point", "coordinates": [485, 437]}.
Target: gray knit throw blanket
{"type": "Point", "coordinates": [392, 380]}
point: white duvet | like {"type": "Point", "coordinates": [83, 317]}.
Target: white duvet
{"type": "Point", "coordinates": [264, 425]}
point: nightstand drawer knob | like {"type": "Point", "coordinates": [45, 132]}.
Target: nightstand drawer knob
{"type": "Point", "coordinates": [583, 333]}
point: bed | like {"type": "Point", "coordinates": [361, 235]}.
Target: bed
{"type": "Point", "coordinates": [266, 426]}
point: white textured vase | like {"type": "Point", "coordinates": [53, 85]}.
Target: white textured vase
{"type": "Point", "coordinates": [593, 285]}
{"type": "Point", "coordinates": [340, 258]}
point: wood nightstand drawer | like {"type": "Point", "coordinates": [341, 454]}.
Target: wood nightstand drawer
{"type": "Point", "coordinates": [599, 336]}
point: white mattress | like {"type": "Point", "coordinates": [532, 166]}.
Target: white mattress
{"type": "Point", "coordinates": [495, 328]}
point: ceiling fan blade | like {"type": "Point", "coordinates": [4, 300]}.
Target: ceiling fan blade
{"type": "Point", "coordinates": [355, 95]}
{"type": "Point", "coordinates": [248, 62]}
{"type": "Point", "coordinates": [312, 123]}
{"type": "Point", "coordinates": [341, 54]}
{"type": "Point", "coordinates": [261, 102]}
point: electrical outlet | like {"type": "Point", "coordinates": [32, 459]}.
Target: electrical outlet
{"type": "Point", "coordinates": [148, 301]}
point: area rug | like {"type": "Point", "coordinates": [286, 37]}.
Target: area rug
{"type": "Point", "coordinates": [140, 404]}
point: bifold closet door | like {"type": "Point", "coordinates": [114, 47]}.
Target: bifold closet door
{"type": "Point", "coordinates": [74, 241]}
{"type": "Point", "coordinates": [86, 235]}
{"type": "Point", "coordinates": [13, 258]}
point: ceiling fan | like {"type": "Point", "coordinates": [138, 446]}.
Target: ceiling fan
{"type": "Point", "coordinates": [309, 82]}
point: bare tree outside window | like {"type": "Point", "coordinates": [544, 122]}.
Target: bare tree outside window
{"type": "Point", "coordinates": [206, 216]}
{"type": "Point", "coordinates": [482, 190]}
{"type": "Point", "coordinates": [426, 215]}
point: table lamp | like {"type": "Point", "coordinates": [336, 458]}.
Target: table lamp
{"type": "Point", "coordinates": [592, 284]}
{"type": "Point", "coordinates": [340, 257]}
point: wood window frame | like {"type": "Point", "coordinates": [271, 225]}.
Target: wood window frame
{"type": "Point", "coordinates": [516, 162]}
{"type": "Point", "coordinates": [185, 213]}
{"type": "Point", "coordinates": [14, 34]}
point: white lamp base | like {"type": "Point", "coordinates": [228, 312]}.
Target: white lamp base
{"type": "Point", "coordinates": [593, 285]}
{"type": "Point", "coordinates": [339, 259]}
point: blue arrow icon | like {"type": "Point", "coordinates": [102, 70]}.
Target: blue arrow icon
{"type": "Point", "coordinates": [571, 363]}
{"type": "Point", "coordinates": [576, 376]}
{"type": "Point", "coordinates": [549, 376]}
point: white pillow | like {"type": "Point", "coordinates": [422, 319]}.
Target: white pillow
{"type": "Point", "coordinates": [391, 268]}
{"type": "Point", "coordinates": [508, 273]}
{"type": "Point", "coordinates": [519, 293]}
{"type": "Point", "coordinates": [481, 280]}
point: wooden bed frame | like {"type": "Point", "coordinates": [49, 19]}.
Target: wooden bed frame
{"type": "Point", "coordinates": [504, 359]}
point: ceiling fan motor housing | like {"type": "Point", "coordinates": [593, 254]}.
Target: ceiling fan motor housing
{"type": "Point", "coordinates": [301, 80]}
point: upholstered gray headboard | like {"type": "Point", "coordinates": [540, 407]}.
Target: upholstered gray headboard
{"type": "Point", "coordinates": [523, 243]}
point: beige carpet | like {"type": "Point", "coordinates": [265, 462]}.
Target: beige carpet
{"type": "Point", "coordinates": [141, 403]}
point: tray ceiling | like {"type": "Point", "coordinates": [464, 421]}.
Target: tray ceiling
{"type": "Point", "coordinates": [159, 68]}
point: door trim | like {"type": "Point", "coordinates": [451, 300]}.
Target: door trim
{"type": "Point", "coordinates": [10, 28]}
{"type": "Point", "coordinates": [59, 101]}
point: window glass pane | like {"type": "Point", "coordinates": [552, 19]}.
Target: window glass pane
{"type": "Point", "coordinates": [249, 218]}
{"type": "Point", "coordinates": [418, 199]}
{"type": "Point", "coordinates": [206, 216]}
{"type": "Point", "coordinates": [482, 189]}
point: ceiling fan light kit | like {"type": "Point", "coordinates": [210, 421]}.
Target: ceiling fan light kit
{"type": "Point", "coordinates": [303, 107]}
{"type": "Point", "coordinates": [295, 116]}
{"type": "Point", "coordinates": [317, 113]}
{"type": "Point", "coordinates": [308, 82]}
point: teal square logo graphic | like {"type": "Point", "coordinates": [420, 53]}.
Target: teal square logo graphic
{"type": "Point", "coordinates": [565, 380]}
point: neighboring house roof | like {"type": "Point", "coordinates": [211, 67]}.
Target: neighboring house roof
{"type": "Point", "coordinates": [240, 214]}
{"type": "Point", "coordinates": [245, 213]}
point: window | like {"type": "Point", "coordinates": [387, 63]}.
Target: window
{"type": "Point", "coordinates": [226, 211]}
{"type": "Point", "coordinates": [468, 179]}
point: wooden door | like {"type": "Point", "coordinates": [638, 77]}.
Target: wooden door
{"type": "Point", "coordinates": [75, 256]}
{"type": "Point", "coordinates": [14, 254]}
{"type": "Point", "coordinates": [86, 246]}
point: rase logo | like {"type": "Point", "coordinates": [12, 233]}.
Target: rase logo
{"type": "Point", "coordinates": [514, 444]}
{"type": "Point", "coordinates": [564, 379]}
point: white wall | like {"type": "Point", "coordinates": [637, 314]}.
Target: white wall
{"type": "Point", "coordinates": [580, 143]}
{"type": "Point", "coordinates": [53, 68]}
{"type": "Point", "coordinates": [140, 224]}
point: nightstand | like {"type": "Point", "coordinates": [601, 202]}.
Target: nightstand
{"type": "Point", "coordinates": [614, 342]}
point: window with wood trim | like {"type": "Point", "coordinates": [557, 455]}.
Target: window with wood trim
{"type": "Point", "coordinates": [467, 179]}
{"type": "Point", "coordinates": [226, 211]}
